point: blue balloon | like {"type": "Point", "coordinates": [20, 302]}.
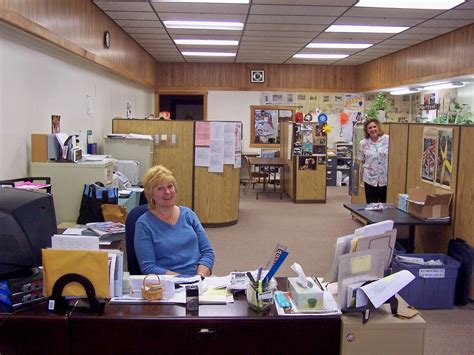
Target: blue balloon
{"type": "Point", "coordinates": [322, 118]}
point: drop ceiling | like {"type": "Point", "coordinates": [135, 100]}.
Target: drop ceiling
{"type": "Point", "coordinates": [275, 30]}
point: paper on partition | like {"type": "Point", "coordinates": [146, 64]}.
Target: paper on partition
{"type": "Point", "coordinates": [229, 143]}
{"type": "Point", "coordinates": [112, 260]}
{"type": "Point", "coordinates": [216, 161]}
{"type": "Point", "coordinates": [238, 160]}
{"type": "Point", "coordinates": [201, 156]}
{"type": "Point", "coordinates": [381, 290]}
{"type": "Point", "coordinates": [203, 134]}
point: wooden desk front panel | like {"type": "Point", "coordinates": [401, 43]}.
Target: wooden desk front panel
{"type": "Point", "coordinates": [217, 329]}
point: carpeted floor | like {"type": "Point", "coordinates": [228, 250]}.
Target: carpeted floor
{"type": "Point", "coordinates": [309, 231]}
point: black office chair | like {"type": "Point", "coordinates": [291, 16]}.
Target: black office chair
{"type": "Point", "coordinates": [133, 215]}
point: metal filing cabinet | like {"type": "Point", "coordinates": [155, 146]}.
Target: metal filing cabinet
{"type": "Point", "coordinates": [331, 171]}
{"type": "Point", "coordinates": [382, 334]}
{"type": "Point", "coordinates": [67, 183]}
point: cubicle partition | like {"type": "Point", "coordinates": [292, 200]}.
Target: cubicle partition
{"type": "Point", "coordinates": [214, 196]}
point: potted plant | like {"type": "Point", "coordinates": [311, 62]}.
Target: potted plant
{"type": "Point", "coordinates": [378, 109]}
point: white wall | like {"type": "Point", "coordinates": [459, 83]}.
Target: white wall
{"type": "Point", "coordinates": [233, 106]}
{"type": "Point", "coordinates": [39, 80]}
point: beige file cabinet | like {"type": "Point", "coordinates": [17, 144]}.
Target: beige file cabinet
{"type": "Point", "coordinates": [382, 334]}
{"type": "Point", "coordinates": [67, 183]}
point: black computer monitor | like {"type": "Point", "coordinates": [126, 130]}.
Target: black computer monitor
{"type": "Point", "coordinates": [27, 222]}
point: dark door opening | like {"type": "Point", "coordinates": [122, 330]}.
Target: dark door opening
{"type": "Point", "coordinates": [183, 107]}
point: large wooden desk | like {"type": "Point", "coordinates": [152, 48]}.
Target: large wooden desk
{"type": "Point", "coordinates": [269, 163]}
{"type": "Point", "coordinates": [399, 217]}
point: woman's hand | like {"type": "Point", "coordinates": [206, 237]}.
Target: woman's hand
{"type": "Point", "coordinates": [203, 270]}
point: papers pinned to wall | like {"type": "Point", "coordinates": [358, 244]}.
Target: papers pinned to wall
{"type": "Point", "coordinates": [217, 144]}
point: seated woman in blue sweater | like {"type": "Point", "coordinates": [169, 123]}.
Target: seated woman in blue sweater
{"type": "Point", "coordinates": [170, 239]}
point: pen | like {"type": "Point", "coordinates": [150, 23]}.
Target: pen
{"type": "Point", "coordinates": [318, 283]}
{"type": "Point", "coordinates": [250, 276]}
{"type": "Point", "coordinates": [259, 273]}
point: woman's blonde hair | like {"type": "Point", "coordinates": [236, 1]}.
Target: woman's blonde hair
{"type": "Point", "coordinates": [153, 177]}
{"type": "Point", "coordinates": [369, 121]}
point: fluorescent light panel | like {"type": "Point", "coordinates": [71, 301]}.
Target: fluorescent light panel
{"type": "Point", "coordinates": [340, 45]}
{"type": "Point", "coordinates": [411, 4]}
{"type": "Point", "coordinates": [207, 1]}
{"type": "Point", "coordinates": [404, 91]}
{"type": "Point", "coordinates": [206, 42]}
{"type": "Point", "coordinates": [441, 86]}
{"type": "Point", "coordinates": [320, 56]}
{"type": "Point", "coordinates": [366, 29]}
{"type": "Point", "coordinates": [208, 54]}
{"type": "Point", "coordinates": [205, 25]}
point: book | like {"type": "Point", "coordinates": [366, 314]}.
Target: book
{"type": "Point", "coordinates": [106, 228]}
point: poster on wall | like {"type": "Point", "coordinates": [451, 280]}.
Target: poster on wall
{"type": "Point", "coordinates": [354, 102]}
{"type": "Point", "coordinates": [444, 157]}
{"type": "Point", "coordinates": [428, 157]}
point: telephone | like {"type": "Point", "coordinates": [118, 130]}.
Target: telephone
{"type": "Point", "coordinates": [123, 182]}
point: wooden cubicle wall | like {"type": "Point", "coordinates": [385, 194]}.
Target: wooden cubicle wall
{"type": "Point", "coordinates": [302, 186]}
{"type": "Point", "coordinates": [217, 196]}
{"type": "Point", "coordinates": [404, 172]}
{"type": "Point", "coordinates": [178, 157]}
{"type": "Point", "coordinates": [213, 196]}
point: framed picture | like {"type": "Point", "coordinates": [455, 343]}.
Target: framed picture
{"type": "Point", "coordinates": [264, 124]}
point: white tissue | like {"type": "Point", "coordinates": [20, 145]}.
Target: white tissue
{"type": "Point", "coordinates": [302, 280]}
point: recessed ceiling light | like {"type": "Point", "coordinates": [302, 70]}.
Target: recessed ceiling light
{"type": "Point", "coordinates": [320, 56]}
{"type": "Point", "coordinates": [205, 25]}
{"type": "Point", "coordinates": [340, 45]}
{"type": "Point", "coordinates": [441, 86]}
{"type": "Point", "coordinates": [208, 54]}
{"type": "Point", "coordinates": [206, 42]}
{"type": "Point", "coordinates": [411, 4]}
{"type": "Point", "coordinates": [366, 29]}
{"type": "Point", "coordinates": [208, 1]}
{"type": "Point", "coordinates": [404, 91]}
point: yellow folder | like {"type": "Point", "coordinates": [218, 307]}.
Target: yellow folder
{"type": "Point", "coordinates": [88, 263]}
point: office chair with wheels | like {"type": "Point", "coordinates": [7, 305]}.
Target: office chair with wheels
{"type": "Point", "coordinates": [133, 215]}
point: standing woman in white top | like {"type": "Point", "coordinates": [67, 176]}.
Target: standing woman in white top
{"type": "Point", "coordinates": [373, 152]}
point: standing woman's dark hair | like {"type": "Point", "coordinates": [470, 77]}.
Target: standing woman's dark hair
{"type": "Point", "coordinates": [369, 121]}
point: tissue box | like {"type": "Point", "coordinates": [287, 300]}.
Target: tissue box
{"type": "Point", "coordinates": [422, 204]}
{"type": "Point", "coordinates": [305, 298]}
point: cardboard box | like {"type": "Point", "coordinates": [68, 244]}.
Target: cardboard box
{"type": "Point", "coordinates": [423, 204]}
{"type": "Point", "coordinates": [305, 298]}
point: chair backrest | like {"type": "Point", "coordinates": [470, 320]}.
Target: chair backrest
{"type": "Point", "coordinates": [132, 217]}
{"type": "Point", "coordinates": [269, 153]}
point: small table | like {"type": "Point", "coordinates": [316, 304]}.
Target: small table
{"type": "Point", "coordinates": [269, 163]}
{"type": "Point", "coordinates": [398, 217]}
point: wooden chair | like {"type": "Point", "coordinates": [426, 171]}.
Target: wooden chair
{"type": "Point", "coordinates": [254, 177]}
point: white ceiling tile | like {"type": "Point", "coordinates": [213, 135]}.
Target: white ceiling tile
{"type": "Point", "coordinates": [469, 4]}
{"type": "Point", "coordinates": [446, 23]}
{"type": "Point", "coordinates": [124, 5]}
{"type": "Point", "coordinates": [145, 42]}
{"type": "Point", "coordinates": [395, 40]}
{"type": "Point", "coordinates": [415, 36]}
{"type": "Point", "coordinates": [135, 23]}
{"type": "Point", "coordinates": [297, 10]}
{"type": "Point", "coordinates": [258, 61]}
{"type": "Point", "coordinates": [396, 46]}
{"type": "Point", "coordinates": [148, 36]}
{"type": "Point", "coordinates": [135, 30]}
{"type": "Point", "coordinates": [428, 30]}
{"type": "Point", "coordinates": [310, 61]}
{"type": "Point", "coordinates": [284, 27]}
{"type": "Point", "coordinates": [302, 20]}
{"type": "Point", "coordinates": [201, 8]}
{"type": "Point", "coordinates": [275, 39]}
{"type": "Point", "coordinates": [130, 15]}
{"type": "Point", "coordinates": [457, 15]}
{"type": "Point", "coordinates": [355, 36]}
{"type": "Point", "coordinates": [160, 46]}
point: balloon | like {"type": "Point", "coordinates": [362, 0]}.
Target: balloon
{"type": "Point", "coordinates": [344, 118]}
{"type": "Point", "coordinates": [298, 117]}
{"type": "Point", "coordinates": [322, 118]}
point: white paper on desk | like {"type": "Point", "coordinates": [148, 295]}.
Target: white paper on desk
{"type": "Point", "coordinates": [342, 247]}
{"type": "Point", "coordinates": [74, 231]}
{"type": "Point", "coordinates": [117, 276]}
{"type": "Point", "coordinates": [375, 228]}
{"type": "Point", "coordinates": [77, 242]}
{"type": "Point", "coordinates": [381, 290]}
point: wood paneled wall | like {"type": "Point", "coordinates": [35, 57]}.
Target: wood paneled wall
{"type": "Point", "coordinates": [397, 161]}
{"type": "Point", "coordinates": [78, 26]}
{"type": "Point", "coordinates": [445, 56]}
{"type": "Point", "coordinates": [220, 76]}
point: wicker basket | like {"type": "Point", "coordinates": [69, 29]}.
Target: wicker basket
{"type": "Point", "coordinates": [152, 290]}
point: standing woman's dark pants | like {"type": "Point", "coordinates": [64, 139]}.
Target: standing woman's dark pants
{"type": "Point", "coordinates": [375, 193]}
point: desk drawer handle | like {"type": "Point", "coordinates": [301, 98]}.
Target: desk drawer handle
{"type": "Point", "coordinates": [206, 333]}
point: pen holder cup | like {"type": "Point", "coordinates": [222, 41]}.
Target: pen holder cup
{"type": "Point", "coordinates": [259, 301]}
{"type": "Point", "coordinates": [152, 290]}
